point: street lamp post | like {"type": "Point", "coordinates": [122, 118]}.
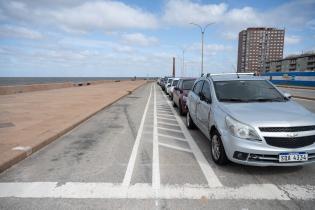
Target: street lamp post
{"type": "Point", "coordinates": [202, 30]}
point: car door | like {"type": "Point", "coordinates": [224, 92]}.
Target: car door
{"type": "Point", "coordinates": [176, 93]}
{"type": "Point", "coordinates": [194, 100]}
{"type": "Point", "coordinates": [203, 108]}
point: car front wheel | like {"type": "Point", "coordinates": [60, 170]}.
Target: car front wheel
{"type": "Point", "coordinates": [217, 150]}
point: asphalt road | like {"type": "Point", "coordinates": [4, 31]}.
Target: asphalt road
{"type": "Point", "coordinates": [137, 154]}
{"type": "Point", "coordinates": [300, 92]}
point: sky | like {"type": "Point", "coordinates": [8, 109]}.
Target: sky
{"type": "Point", "coordinates": [78, 38]}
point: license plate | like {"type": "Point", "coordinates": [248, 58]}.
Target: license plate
{"type": "Point", "coordinates": [293, 157]}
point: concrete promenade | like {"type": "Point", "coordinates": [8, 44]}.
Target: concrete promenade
{"type": "Point", "coordinates": [29, 121]}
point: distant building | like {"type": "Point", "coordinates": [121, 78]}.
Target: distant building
{"type": "Point", "coordinates": [303, 62]}
{"type": "Point", "coordinates": [256, 46]}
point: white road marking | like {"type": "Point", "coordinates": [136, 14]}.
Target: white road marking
{"type": "Point", "coordinates": [164, 111]}
{"type": "Point", "coordinates": [162, 114]}
{"type": "Point", "coordinates": [132, 160]}
{"type": "Point", "coordinates": [175, 147]}
{"type": "Point", "coordinates": [172, 137]}
{"type": "Point", "coordinates": [165, 118]}
{"type": "Point", "coordinates": [171, 124]}
{"type": "Point", "coordinates": [156, 158]}
{"type": "Point", "coordinates": [145, 191]}
{"type": "Point", "coordinates": [209, 174]}
{"type": "Point", "coordinates": [169, 129]}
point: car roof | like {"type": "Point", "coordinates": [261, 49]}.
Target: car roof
{"type": "Point", "coordinates": [188, 78]}
{"type": "Point", "coordinates": [229, 77]}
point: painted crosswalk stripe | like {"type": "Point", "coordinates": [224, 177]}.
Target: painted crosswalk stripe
{"type": "Point", "coordinates": [175, 147]}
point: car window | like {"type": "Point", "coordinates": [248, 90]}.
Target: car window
{"type": "Point", "coordinates": [198, 87]}
{"type": "Point", "coordinates": [187, 84]}
{"type": "Point", "coordinates": [247, 91]}
{"type": "Point", "coordinates": [179, 85]}
{"type": "Point", "coordinates": [206, 91]}
{"type": "Point", "coordinates": [175, 82]}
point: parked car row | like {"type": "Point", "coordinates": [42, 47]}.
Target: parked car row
{"type": "Point", "coordinates": [247, 119]}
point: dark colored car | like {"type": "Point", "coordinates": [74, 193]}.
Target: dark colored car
{"type": "Point", "coordinates": [180, 94]}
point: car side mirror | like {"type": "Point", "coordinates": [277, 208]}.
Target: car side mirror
{"type": "Point", "coordinates": [209, 101]}
{"type": "Point", "coordinates": [201, 96]}
{"type": "Point", "coordinates": [176, 88]}
{"type": "Point", "coordinates": [287, 95]}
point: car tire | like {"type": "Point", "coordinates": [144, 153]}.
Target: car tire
{"type": "Point", "coordinates": [189, 123]}
{"type": "Point", "coordinates": [174, 104]}
{"type": "Point", "coordinates": [217, 149]}
{"type": "Point", "coordinates": [180, 109]}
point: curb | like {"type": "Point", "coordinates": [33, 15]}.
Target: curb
{"type": "Point", "coordinates": [42, 144]}
{"type": "Point", "coordinates": [296, 87]}
{"type": "Point", "coordinates": [303, 97]}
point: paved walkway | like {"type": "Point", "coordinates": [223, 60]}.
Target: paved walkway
{"type": "Point", "coordinates": [29, 121]}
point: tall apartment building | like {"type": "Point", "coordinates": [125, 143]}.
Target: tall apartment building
{"type": "Point", "coordinates": [256, 46]}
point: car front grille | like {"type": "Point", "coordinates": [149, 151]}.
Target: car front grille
{"type": "Point", "coordinates": [292, 142]}
{"type": "Point", "coordinates": [287, 129]}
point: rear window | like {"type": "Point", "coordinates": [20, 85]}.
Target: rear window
{"type": "Point", "coordinates": [175, 82]}
{"type": "Point", "coordinates": [187, 84]}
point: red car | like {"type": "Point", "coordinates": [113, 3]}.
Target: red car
{"type": "Point", "coordinates": [180, 94]}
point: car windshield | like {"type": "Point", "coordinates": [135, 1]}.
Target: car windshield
{"type": "Point", "coordinates": [175, 82]}
{"type": "Point", "coordinates": [170, 81]}
{"type": "Point", "coordinates": [187, 84]}
{"type": "Point", "coordinates": [247, 91]}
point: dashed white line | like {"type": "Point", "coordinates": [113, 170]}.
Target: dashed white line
{"type": "Point", "coordinates": [162, 114]}
{"type": "Point", "coordinates": [169, 129]}
{"type": "Point", "coordinates": [172, 137]}
{"type": "Point", "coordinates": [175, 147]}
{"type": "Point", "coordinates": [132, 160]}
{"type": "Point", "coordinates": [164, 123]}
{"type": "Point", "coordinates": [165, 118]}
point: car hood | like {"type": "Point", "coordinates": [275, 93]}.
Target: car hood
{"type": "Point", "coordinates": [271, 114]}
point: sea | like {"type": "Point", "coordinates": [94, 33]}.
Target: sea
{"type": "Point", "coordinates": [5, 81]}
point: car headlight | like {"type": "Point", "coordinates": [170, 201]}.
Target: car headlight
{"type": "Point", "coordinates": [241, 130]}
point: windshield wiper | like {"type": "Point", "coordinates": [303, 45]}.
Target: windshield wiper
{"type": "Point", "coordinates": [267, 99]}
{"type": "Point", "coordinates": [233, 100]}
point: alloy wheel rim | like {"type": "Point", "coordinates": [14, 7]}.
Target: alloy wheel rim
{"type": "Point", "coordinates": [215, 147]}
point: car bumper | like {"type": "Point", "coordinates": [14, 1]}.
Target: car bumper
{"type": "Point", "coordinates": [260, 153]}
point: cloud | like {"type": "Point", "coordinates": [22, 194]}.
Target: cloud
{"type": "Point", "coordinates": [179, 12]}
{"type": "Point", "coordinates": [230, 35]}
{"type": "Point", "coordinates": [231, 21]}
{"type": "Point", "coordinates": [292, 39]}
{"type": "Point", "coordinates": [210, 49]}
{"type": "Point", "coordinates": [11, 31]}
{"type": "Point", "coordinates": [139, 39]}
{"type": "Point", "coordinates": [81, 17]}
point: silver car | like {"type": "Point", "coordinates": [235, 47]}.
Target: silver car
{"type": "Point", "coordinates": [249, 121]}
